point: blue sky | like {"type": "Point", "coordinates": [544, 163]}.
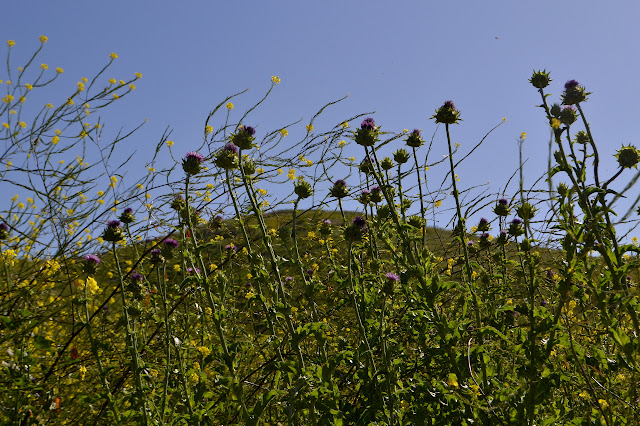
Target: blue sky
{"type": "Point", "coordinates": [401, 59]}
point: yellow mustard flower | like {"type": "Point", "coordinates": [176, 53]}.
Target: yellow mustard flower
{"type": "Point", "coordinates": [132, 86]}
{"type": "Point", "coordinates": [169, 144]}
{"type": "Point", "coordinates": [555, 123]}
{"type": "Point", "coordinates": [309, 127]}
{"type": "Point", "coordinates": [59, 70]}
{"type": "Point", "coordinates": [113, 55]}
{"type": "Point", "coordinates": [275, 79]}
{"type": "Point", "coordinates": [138, 75]}
{"type": "Point", "coordinates": [43, 38]}
{"type": "Point", "coordinates": [523, 135]}
{"type": "Point", "coordinates": [49, 106]}
{"type": "Point", "coordinates": [11, 43]}
{"type": "Point", "coordinates": [229, 106]}
{"type": "Point", "coordinates": [80, 86]}
{"type": "Point", "coordinates": [22, 124]}
{"type": "Point", "coordinates": [284, 132]}
{"type": "Point", "coordinates": [44, 66]}
{"type": "Point", "coordinates": [55, 140]}
{"type": "Point", "coordinates": [28, 86]}
{"type": "Point", "coordinates": [208, 129]}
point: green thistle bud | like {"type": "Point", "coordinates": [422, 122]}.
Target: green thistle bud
{"type": "Point", "coordinates": [573, 93]}
{"type": "Point", "coordinates": [127, 216]}
{"type": "Point", "coordinates": [628, 156]}
{"type": "Point", "coordinates": [366, 166]}
{"type": "Point", "coordinates": [248, 167]}
{"type": "Point", "coordinates": [502, 208]}
{"type": "Point", "coordinates": [526, 211]}
{"type": "Point", "coordinates": [555, 110]}
{"type": "Point", "coordinates": [386, 163]}
{"type": "Point", "coordinates": [582, 137]}
{"type": "Point", "coordinates": [384, 212]}
{"type": "Point", "coordinates": [113, 232]}
{"type": "Point", "coordinates": [243, 138]}
{"type": "Point", "coordinates": [416, 221]}
{"type": "Point", "coordinates": [568, 115]}
{"type": "Point", "coordinates": [303, 189]}
{"type": "Point", "coordinates": [415, 140]}
{"type": "Point", "coordinates": [339, 189]}
{"type": "Point", "coordinates": [178, 203]}
{"type": "Point", "coordinates": [401, 156]}
{"type": "Point", "coordinates": [540, 79]}
{"type": "Point", "coordinates": [563, 189]}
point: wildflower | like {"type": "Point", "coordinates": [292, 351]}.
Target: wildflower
{"type": "Point", "coordinates": [523, 135]}
{"type": "Point", "coordinates": [339, 189]}
{"type": "Point", "coordinates": [573, 93]}
{"type": "Point", "coordinates": [502, 207]}
{"type": "Point", "coordinates": [291, 174]}
{"type": "Point", "coordinates": [112, 81]}
{"type": "Point", "coordinates": [113, 232]}
{"type": "Point", "coordinates": [325, 227]}
{"type": "Point", "coordinates": [483, 225]}
{"type": "Point", "coordinates": [401, 156]}
{"type": "Point", "coordinates": [22, 124]}
{"type": "Point", "coordinates": [515, 228]}
{"type": "Point", "coordinates": [229, 106]}
{"type": "Point", "coordinates": [526, 211]}
{"type": "Point", "coordinates": [7, 99]}
{"type": "Point", "coordinates": [568, 115]}
{"type": "Point", "coordinates": [11, 43]}
{"type": "Point", "coordinates": [169, 144]}
{"type": "Point", "coordinates": [485, 239]}
{"type": "Point", "coordinates": [91, 261]}
{"type": "Point", "coordinates": [4, 231]}
{"type": "Point", "coordinates": [127, 216]}
{"type": "Point", "coordinates": [44, 66]}
{"type": "Point", "coordinates": [244, 137]}
{"type": "Point", "coordinates": [367, 134]}
{"type": "Point", "coordinates": [540, 79]}
{"type": "Point", "coordinates": [156, 257]}
{"type": "Point", "coordinates": [447, 114]}
{"type": "Point", "coordinates": [113, 56]}
{"type": "Point", "coordinates": [386, 163]}
{"type": "Point", "coordinates": [414, 140]}
{"type": "Point", "coordinates": [275, 79]}
{"type": "Point", "coordinates": [49, 105]}
{"type": "Point", "coordinates": [628, 156]}
{"type": "Point", "coordinates": [309, 127]}
{"type": "Point", "coordinates": [208, 129]}
{"type": "Point", "coordinates": [227, 157]}
{"type": "Point", "coordinates": [303, 189]}
{"type": "Point", "coordinates": [284, 132]}
{"type": "Point", "coordinates": [132, 86]}
{"type": "Point", "coordinates": [391, 280]}
{"type": "Point", "coordinates": [43, 39]}
{"type": "Point", "coordinates": [138, 75]}
{"type": "Point", "coordinates": [376, 194]}
{"type": "Point", "coordinates": [59, 70]}
{"type": "Point", "coordinates": [168, 247]}
{"type": "Point", "coordinates": [192, 163]}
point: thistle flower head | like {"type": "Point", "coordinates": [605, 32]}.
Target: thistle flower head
{"type": "Point", "coordinates": [367, 134]}
{"type": "Point", "coordinates": [244, 137]}
{"type": "Point", "coordinates": [339, 189]}
{"type": "Point", "coordinates": [573, 93]}
{"type": "Point", "coordinates": [192, 163]}
{"type": "Point", "coordinates": [4, 231]}
{"type": "Point", "coordinates": [414, 139]}
{"type": "Point", "coordinates": [113, 232]}
{"type": "Point", "coordinates": [540, 79]}
{"type": "Point", "coordinates": [127, 216]}
{"type": "Point", "coordinates": [91, 262]}
{"type": "Point", "coordinates": [368, 124]}
{"type": "Point", "coordinates": [447, 113]}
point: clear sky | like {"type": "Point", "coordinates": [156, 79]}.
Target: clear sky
{"type": "Point", "coordinates": [401, 59]}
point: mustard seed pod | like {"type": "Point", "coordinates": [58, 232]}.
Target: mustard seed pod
{"type": "Point", "coordinates": [540, 79]}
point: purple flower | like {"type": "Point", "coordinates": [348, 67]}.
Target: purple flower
{"type": "Point", "coordinates": [359, 222]}
{"type": "Point", "coordinates": [449, 105]}
{"type": "Point", "coordinates": [113, 232]}
{"type": "Point", "coordinates": [339, 189]}
{"type": "Point", "coordinates": [113, 224]}
{"type": "Point", "coordinates": [192, 271]}
{"type": "Point", "coordinates": [231, 148]}
{"type": "Point", "coordinates": [503, 201]}
{"type": "Point", "coordinates": [171, 243]}
{"type": "Point", "coordinates": [92, 258]}
{"type": "Point", "coordinates": [231, 247]}
{"type": "Point", "coordinates": [571, 84]}
{"type": "Point", "coordinates": [194, 156]}
{"type": "Point", "coordinates": [136, 277]}
{"type": "Point", "coordinates": [365, 192]}
{"type": "Point", "coordinates": [326, 222]}
{"type": "Point", "coordinates": [368, 124]}
{"type": "Point", "coordinates": [516, 222]}
{"type": "Point", "coordinates": [248, 130]}
{"type": "Point", "coordinates": [288, 279]}
{"type": "Point", "coordinates": [416, 133]}
{"type": "Point", "coordinates": [470, 243]}
{"type": "Point", "coordinates": [392, 277]}
{"type": "Point", "coordinates": [4, 227]}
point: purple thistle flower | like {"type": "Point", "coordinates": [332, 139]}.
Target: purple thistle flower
{"type": "Point", "coordinates": [483, 221]}
{"type": "Point", "coordinates": [192, 270]}
{"type": "Point", "coordinates": [571, 84]}
{"type": "Point", "coordinates": [92, 258]}
{"type": "Point", "coordinates": [194, 156]}
{"type": "Point", "coordinates": [249, 130]}
{"type": "Point", "coordinates": [516, 222]}
{"type": "Point", "coordinates": [470, 243]}
{"type": "Point", "coordinates": [359, 222]}
{"type": "Point", "coordinates": [231, 247]}
{"type": "Point", "coordinates": [326, 222]}
{"type": "Point", "coordinates": [449, 105]}
{"type": "Point", "coordinates": [4, 227]}
{"type": "Point", "coordinates": [231, 148]}
{"type": "Point", "coordinates": [503, 201]}
{"type": "Point", "coordinates": [416, 133]}
{"type": "Point", "coordinates": [288, 278]}
{"type": "Point", "coordinates": [392, 277]}
{"type": "Point", "coordinates": [365, 192]}
{"type": "Point", "coordinates": [136, 277]}
{"type": "Point", "coordinates": [368, 124]}
{"type": "Point", "coordinates": [128, 210]}
{"type": "Point", "coordinates": [171, 243]}
{"type": "Point", "coordinates": [113, 224]}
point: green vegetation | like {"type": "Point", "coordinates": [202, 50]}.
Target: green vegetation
{"type": "Point", "coordinates": [185, 297]}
